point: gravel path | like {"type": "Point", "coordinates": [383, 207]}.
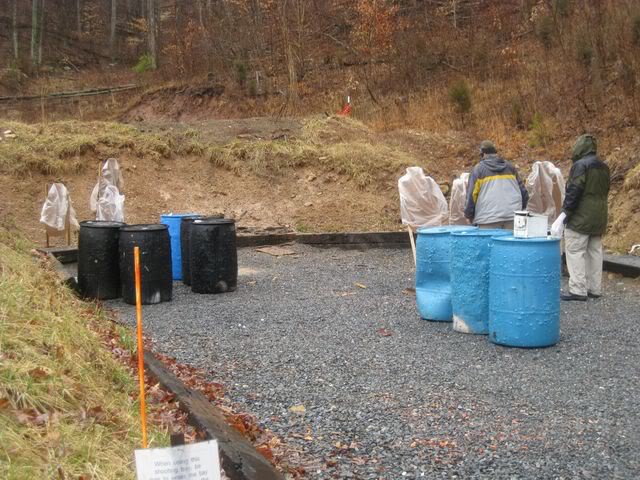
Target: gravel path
{"type": "Point", "coordinates": [415, 399]}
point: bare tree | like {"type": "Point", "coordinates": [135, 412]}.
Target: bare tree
{"type": "Point", "coordinates": [42, 11]}
{"type": "Point", "coordinates": [14, 27]}
{"type": "Point", "coordinates": [79, 16]}
{"type": "Point", "coordinates": [35, 30]}
{"type": "Point", "coordinates": [288, 50]}
{"type": "Point", "coordinates": [112, 38]}
{"type": "Point", "coordinates": [152, 31]}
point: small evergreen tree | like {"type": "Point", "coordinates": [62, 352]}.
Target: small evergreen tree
{"type": "Point", "coordinates": [460, 97]}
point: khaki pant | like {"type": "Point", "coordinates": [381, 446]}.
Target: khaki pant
{"type": "Point", "coordinates": [584, 262]}
{"type": "Point", "coordinates": [507, 225]}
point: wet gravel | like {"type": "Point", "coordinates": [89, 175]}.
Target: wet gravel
{"type": "Point", "coordinates": [387, 395]}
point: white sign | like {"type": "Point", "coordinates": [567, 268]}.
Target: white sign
{"type": "Point", "coordinates": [196, 461]}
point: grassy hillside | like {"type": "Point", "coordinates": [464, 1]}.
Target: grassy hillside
{"type": "Point", "coordinates": [67, 407]}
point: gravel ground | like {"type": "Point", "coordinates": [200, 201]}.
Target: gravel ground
{"type": "Point", "coordinates": [387, 395]}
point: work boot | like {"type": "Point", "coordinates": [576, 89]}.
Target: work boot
{"type": "Point", "coordinates": [593, 295]}
{"type": "Point", "coordinates": [572, 296]}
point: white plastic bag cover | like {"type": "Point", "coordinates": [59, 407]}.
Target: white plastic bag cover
{"type": "Point", "coordinates": [111, 205]}
{"type": "Point", "coordinates": [458, 200]}
{"type": "Point", "coordinates": [546, 190]}
{"type": "Point", "coordinates": [110, 175]}
{"type": "Point", "coordinates": [422, 203]}
{"type": "Point", "coordinates": [56, 208]}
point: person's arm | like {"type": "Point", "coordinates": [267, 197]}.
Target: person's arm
{"type": "Point", "coordinates": [523, 192]}
{"type": "Point", "coordinates": [470, 207]}
{"type": "Point", "coordinates": [575, 188]}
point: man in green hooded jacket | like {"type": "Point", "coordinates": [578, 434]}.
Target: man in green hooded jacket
{"type": "Point", "coordinates": [584, 212]}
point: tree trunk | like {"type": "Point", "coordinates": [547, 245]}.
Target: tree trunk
{"type": "Point", "coordinates": [288, 49]}
{"type": "Point", "coordinates": [79, 16]}
{"type": "Point", "coordinates": [112, 39]}
{"type": "Point", "coordinates": [14, 26]}
{"type": "Point", "coordinates": [35, 28]}
{"type": "Point", "coordinates": [41, 33]}
{"type": "Point", "coordinates": [200, 19]}
{"type": "Point", "coordinates": [151, 4]}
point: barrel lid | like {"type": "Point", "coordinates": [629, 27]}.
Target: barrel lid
{"type": "Point", "coordinates": [213, 221]}
{"type": "Point", "coordinates": [144, 227]}
{"type": "Point", "coordinates": [513, 239]}
{"type": "Point", "coordinates": [445, 230]}
{"type": "Point", "coordinates": [480, 232]}
{"type": "Point", "coordinates": [101, 224]}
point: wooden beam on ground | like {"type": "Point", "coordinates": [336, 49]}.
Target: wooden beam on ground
{"type": "Point", "coordinates": [240, 460]}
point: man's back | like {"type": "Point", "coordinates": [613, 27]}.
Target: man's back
{"type": "Point", "coordinates": [495, 191]}
{"type": "Point", "coordinates": [587, 195]}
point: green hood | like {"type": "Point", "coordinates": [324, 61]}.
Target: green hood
{"type": "Point", "coordinates": [585, 144]}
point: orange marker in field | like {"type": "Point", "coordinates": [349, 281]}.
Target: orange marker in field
{"type": "Point", "coordinates": [143, 406]}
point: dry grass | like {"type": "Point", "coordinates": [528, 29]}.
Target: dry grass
{"type": "Point", "coordinates": [66, 406]}
{"type": "Point", "coordinates": [66, 147]}
{"type": "Point", "coordinates": [340, 145]}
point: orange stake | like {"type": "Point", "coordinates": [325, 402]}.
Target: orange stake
{"type": "Point", "coordinates": [143, 405]}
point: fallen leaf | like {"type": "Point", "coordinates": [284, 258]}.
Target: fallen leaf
{"type": "Point", "coordinates": [39, 373]}
{"type": "Point", "coordinates": [297, 409]}
{"type": "Point", "coordinates": [359, 460]}
{"type": "Point", "coordinates": [383, 332]}
{"type": "Point", "coordinates": [265, 451]}
{"type": "Point", "coordinates": [359, 285]}
{"type": "Point", "coordinates": [4, 403]}
{"type": "Point", "coordinates": [409, 291]}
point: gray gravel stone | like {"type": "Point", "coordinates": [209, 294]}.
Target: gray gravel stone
{"type": "Point", "coordinates": [423, 402]}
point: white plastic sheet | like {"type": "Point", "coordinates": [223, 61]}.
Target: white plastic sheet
{"type": "Point", "coordinates": [546, 190]}
{"type": "Point", "coordinates": [107, 201]}
{"type": "Point", "coordinates": [57, 211]}
{"type": "Point", "coordinates": [458, 200]}
{"type": "Point", "coordinates": [110, 205]}
{"type": "Point", "coordinates": [422, 203]}
{"type": "Point", "coordinates": [109, 175]}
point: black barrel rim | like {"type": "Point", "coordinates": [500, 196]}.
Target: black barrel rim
{"type": "Point", "coordinates": [214, 221]}
{"type": "Point", "coordinates": [102, 224]}
{"type": "Point", "coordinates": [144, 227]}
{"type": "Point", "coordinates": [191, 218]}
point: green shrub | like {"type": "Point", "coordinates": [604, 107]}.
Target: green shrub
{"type": "Point", "coordinates": [544, 30]}
{"type": "Point", "coordinates": [145, 63]}
{"type": "Point", "coordinates": [517, 114]}
{"type": "Point", "coordinates": [635, 29]}
{"type": "Point", "coordinates": [584, 51]}
{"type": "Point", "coordinates": [538, 131]}
{"type": "Point", "coordinates": [241, 73]}
{"type": "Point", "coordinates": [460, 97]}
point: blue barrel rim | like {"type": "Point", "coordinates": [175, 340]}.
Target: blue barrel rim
{"type": "Point", "coordinates": [101, 224]}
{"type": "Point", "coordinates": [445, 229]}
{"type": "Point", "coordinates": [480, 232]}
{"type": "Point", "coordinates": [144, 227]}
{"type": "Point", "coordinates": [176, 215]}
{"type": "Point", "coordinates": [512, 239]}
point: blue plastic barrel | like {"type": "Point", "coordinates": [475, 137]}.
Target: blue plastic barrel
{"type": "Point", "coordinates": [173, 222]}
{"type": "Point", "coordinates": [433, 281]}
{"type": "Point", "coordinates": [470, 252]}
{"type": "Point", "coordinates": [524, 292]}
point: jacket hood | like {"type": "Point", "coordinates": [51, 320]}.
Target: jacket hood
{"type": "Point", "coordinates": [585, 145]}
{"type": "Point", "coordinates": [494, 163]}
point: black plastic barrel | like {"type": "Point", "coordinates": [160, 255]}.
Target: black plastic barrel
{"type": "Point", "coordinates": [155, 263]}
{"type": "Point", "coordinates": [185, 249]}
{"type": "Point", "coordinates": [98, 265]}
{"type": "Point", "coordinates": [214, 258]}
